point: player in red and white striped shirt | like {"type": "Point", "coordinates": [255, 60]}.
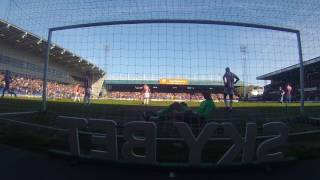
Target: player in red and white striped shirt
{"type": "Point", "coordinates": [77, 93]}
{"type": "Point", "coordinates": [229, 79]}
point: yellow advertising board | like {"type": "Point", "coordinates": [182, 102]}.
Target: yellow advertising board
{"type": "Point", "coordinates": [174, 81]}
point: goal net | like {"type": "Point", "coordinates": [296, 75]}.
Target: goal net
{"type": "Point", "coordinates": [176, 60]}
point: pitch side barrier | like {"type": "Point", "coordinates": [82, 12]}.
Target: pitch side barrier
{"type": "Point", "coordinates": [243, 146]}
{"type": "Point", "coordinates": [275, 135]}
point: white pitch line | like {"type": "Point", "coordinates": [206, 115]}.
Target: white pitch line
{"type": "Point", "coordinates": [33, 125]}
{"type": "Point", "coordinates": [315, 118]}
{"type": "Point", "coordinates": [17, 113]}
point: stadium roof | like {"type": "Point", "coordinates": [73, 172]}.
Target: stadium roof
{"type": "Point", "coordinates": [30, 42]}
{"type": "Point", "coordinates": [156, 82]}
{"type": "Point", "coordinates": [294, 68]}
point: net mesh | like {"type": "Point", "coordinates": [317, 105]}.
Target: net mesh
{"type": "Point", "coordinates": [39, 16]}
{"type": "Point", "coordinates": [145, 53]}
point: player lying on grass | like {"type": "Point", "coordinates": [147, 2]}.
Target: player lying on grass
{"type": "Point", "coordinates": [181, 111]}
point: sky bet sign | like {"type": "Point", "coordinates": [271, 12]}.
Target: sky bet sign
{"type": "Point", "coordinates": [244, 146]}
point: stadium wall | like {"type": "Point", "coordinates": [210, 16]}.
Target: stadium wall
{"type": "Point", "coordinates": [97, 85]}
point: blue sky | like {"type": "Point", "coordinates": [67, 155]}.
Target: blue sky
{"type": "Point", "coordinates": [154, 51]}
{"type": "Point", "coordinates": [3, 7]}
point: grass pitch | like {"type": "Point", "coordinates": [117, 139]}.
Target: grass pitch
{"type": "Point", "coordinates": [122, 111]}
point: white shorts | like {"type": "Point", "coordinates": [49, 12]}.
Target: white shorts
{"type": "Point", "coordinates": [147, 95]}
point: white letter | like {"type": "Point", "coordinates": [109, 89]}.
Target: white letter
{"type": "Point", "coordinates": [233, 151]}
{"type": "Point", "coordinates": [246, 145]}
{"type": "Point", "coordinates": [196, 144]}
{"type": "Point", "coordinates": [109, 141]}
{"type": "Point", "coordinates": [249, 142]}
{"type": "Point", "coordinates": [267, 145]}
{"type": "Point", "coordinates": [72, 124]}
{"type": "Point", "coordinates": [148, 142]}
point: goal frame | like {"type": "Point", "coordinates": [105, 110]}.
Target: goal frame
{"type": "Point", "coordinates": [170, 21]}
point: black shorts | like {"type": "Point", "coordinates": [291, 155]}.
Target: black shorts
{"type": "Point", "coordinates": [228, 91]}
{"type": "Point", "coordinates": [87, 94]}
{"type": "Point", "coordinates": [7, 86]}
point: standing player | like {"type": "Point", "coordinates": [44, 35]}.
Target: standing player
{"type": "Point", "coordinates": [146, 94]}
{"type": "Point", "coordinates": [7, 81]}
{"type": "Point", "coordinates": [289, 93]}
{"type": "Point", "coordinates": [87, 88]}
{"type": "Point", "coordinates": [77, 93]}
{"type": "Point", "coordinates": [282, 94]}
{"type": "Point", "coordinates": [229, 79]}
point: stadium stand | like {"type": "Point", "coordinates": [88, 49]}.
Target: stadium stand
{"type": "Point", "coordinates": [164, 96]}
{"type": "Point", "coordinates": [291, 75]}
{"type": "Point", "coordinates": [22, 53]}
{"type": "Point", "coordinates": [132, 90]}
{"type": "Point", "coordinates": [25, 85]}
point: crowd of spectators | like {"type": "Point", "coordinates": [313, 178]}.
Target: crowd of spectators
{"type": "Point", "coordinates": [30, 86]}
{"type": "Point", "coordinates": [124, 95]}
{"type": "Point", "coordinates": [164, 96]}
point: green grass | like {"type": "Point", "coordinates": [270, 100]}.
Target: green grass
{"type": "Point", "coordinates": [124, 111]}
{"type": "Point", "coordinates": [133, 110]}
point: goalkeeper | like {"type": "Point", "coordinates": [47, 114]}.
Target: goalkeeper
{"type": "Point", "coordinates": [181, 112]}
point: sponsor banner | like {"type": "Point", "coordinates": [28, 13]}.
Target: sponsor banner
{"type": "Point", "coordinates": [174, 81]}
{"type": "Point", "coordinates": [247, 147]}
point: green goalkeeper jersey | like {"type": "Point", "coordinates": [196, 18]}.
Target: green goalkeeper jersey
{"type": "Point", "coordinates": [206, 109]}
